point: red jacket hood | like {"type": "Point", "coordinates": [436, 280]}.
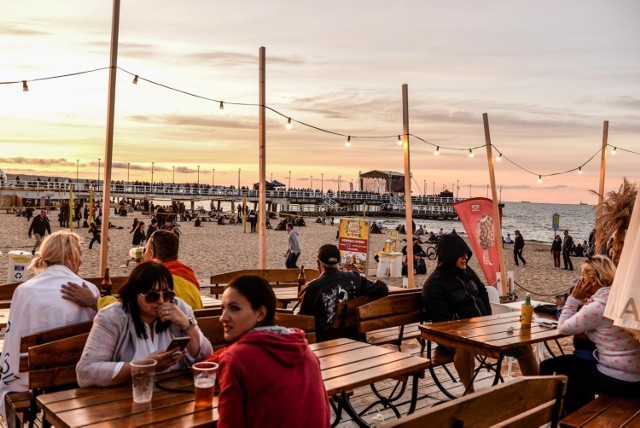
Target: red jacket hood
{"type": "Point", "coordinates": [288, 346]}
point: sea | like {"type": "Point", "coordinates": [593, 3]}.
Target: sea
{"type": "Point", "coordinates": [533, 220]}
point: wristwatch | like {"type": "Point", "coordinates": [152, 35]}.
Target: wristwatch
{"type": "Point", "coordinates": [192, 323]}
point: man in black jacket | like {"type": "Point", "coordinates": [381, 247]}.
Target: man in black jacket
{"type": "Point", "coordinates": [39, 227]}
{"type": "Point", "coordinates": [321, 296]}
{"type": "Point", "coordinates": [454, 291]}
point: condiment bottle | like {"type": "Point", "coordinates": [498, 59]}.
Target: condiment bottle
{"type": "Point", "coordinates": [526, 314]}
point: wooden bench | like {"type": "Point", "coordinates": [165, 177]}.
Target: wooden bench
{"type": "Point", "coordinates": [606, 411]}
{"type": "Point", "coordinates": [20, 406]}
{"type": "Point", "coordinates": [277, 278]}
{"type": "Point", "coordinates": [524, 402]}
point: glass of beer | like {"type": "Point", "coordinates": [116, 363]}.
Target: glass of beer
{"type": "Point", "coordinates": [142, 372]}
{"type": "Point", "coordinates": [204, 379]}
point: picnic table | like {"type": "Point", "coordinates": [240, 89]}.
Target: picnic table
{"type": "Point", "coordinates": [346, 364]}
{"type": "Point", "coordinates": [489, 336]}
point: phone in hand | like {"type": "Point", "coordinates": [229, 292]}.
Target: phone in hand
{"type": "Point", "coordinates": [179, 342]}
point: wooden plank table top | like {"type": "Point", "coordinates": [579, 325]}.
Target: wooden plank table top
{"type": "Point", "coordinates": [606, 411]}
{"type": "Point", "coordinates": [490, 335]}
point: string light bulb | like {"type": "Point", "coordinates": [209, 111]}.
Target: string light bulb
{"type": "Point", "coordinates": [437, 152]}
{"type": "Point", "coordinates": [25, 87]}
{"type": "Point", "coordinates": [399, 140]}
{"type": "Point", "coordinates": [579, 170]}
{"type": "Point", "coordinates": [348, 142]}
{"type": "Point", "coordinates": [289, 125]}
{"type": "Point", "coordinates": [221, 109]}
{"type": "Point", "coordinates": [470, 153]}
{"type": "Point", "coordinates": [135, 79]}
{"type": "Point", "coordinates": [539, 179]}
{"type": "Point", "coordinates": [613, 152]}
{"type": "Point", "coordinates": [499, 157]}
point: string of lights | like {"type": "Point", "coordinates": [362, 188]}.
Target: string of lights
{"type": "Point", "coordinates": [290, 121]}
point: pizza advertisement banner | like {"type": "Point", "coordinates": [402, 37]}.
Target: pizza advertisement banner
{"type": "Point", "coordinates": [353, 242]}
{"type": "Point", "coordinates": [476, 215]}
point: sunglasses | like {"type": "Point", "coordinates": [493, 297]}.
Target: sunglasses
{"type": "Point", "coordinates": [154, 296]}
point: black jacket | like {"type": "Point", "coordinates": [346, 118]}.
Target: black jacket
{"type": "Point", "coordinates": [519, 243]}
{"type": "Point", "coordinates": [450, 293]}
{"type": "Point", "coordinates": [39, 225]}
{"type": "Point", "coordinates": [322, 295]}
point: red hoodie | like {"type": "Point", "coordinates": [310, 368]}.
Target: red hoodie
{"type": "Point", "coordinates": [270, 378]}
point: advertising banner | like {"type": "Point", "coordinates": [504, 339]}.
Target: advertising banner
{"type": "Point", "coordinates": [476, 215]}
{"type": "Point", "coordinates": [353, 242]}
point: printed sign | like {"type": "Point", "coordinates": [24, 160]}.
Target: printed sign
{"type": "Point", "coordinates": [555, 222]}
{"type": "Point", "coordinates": [353, 242]}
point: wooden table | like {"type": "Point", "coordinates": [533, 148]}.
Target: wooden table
{"type": "Point", "coordinates": [348, 364]}
{"type": "Point", "coordinates": [606, 411]}
{"type": "Point", "coordinates": [113, 406]}
{"type": "Point", "coordinates": [488, 336]}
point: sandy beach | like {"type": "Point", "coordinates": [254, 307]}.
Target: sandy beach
{"type": "Point", "coordinates": [214, 249]}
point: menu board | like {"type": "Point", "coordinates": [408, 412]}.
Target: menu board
{"type": "Point", "coordinates": [353, 242]}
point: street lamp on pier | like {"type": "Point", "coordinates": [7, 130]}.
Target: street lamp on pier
{"type": "Point", "coordinates": [322, 183]}
{"type": "Point", "coordinates": [128, 181]}
{"type": "Point", "coordinates": [339, 178]}
{"type": "Point", "coordinates": [198, 176]}
{"type": "Point", "coordinates": [77, 166]}
{"type": "Point", "coordinates": [239, 169]}
{"type": "Point", "coordinates": [213, 177]}
{"type": "Point", "coordinates": [152, 164]}
{"type": "Point", "coordinates": [98, 181]}
{"type": "Point", "coordinates": [289, 179]}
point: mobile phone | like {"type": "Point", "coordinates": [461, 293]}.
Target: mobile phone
{"type": "Point", "coordinates": [179, 342]}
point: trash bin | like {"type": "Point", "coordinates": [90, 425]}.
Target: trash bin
{"type": "Point", "coordinates": [18, 261]}
{"type": "Point", "coordinates": [396, 265]}
{"type": "Point", "coordinates": [384, 265]}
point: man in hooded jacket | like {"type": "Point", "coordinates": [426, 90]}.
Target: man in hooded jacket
{"type": "Point", "coordinates": [454, 291]}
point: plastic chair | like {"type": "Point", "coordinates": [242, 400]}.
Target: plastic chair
{"type": "Point", "coordinates": [494, 295]}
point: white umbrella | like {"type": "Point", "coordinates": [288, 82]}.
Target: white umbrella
{"type": "Point", "coordinates": [623, 305]}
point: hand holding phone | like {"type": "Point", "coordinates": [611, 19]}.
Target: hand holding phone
{"type": "Point", "coordinates": [180, 342]}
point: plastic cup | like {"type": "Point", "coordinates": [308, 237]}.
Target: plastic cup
{"type": "Point", "coordinates": [204, 380]}
{"type": "Point", "coordinates": [142, 372]}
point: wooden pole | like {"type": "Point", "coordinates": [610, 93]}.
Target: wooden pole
{"type": "Point", "coordinates": [108, 149]}
{"type": "Point", "coordinates": [262, 218]}
{"type": "Point", "coordinates": [407, 184]}
{"type": "Point", "coordinates": [496, 209]}
{"type": "Point", "coordinates": [603, 169]}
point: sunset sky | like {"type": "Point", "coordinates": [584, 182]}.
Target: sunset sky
{"type": "Point", "coordinates": [548, 74]}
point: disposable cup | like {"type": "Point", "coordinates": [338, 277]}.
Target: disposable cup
{"type": "Point", "coordinates": [204, 380]}
{"type": "Point", "coordinates": [142, 372]}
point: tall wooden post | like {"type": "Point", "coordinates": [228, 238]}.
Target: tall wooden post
{"type": "Point", "coordinates": [108, 149]}
{"type": "Point", "coordinates": [262, 198]}
{"type": "Point", "coordinates": [603, 169]}
{"type": "Point", "coordinates": [407, 184]}
{"type": "Point", "coordinates": [497, 224]}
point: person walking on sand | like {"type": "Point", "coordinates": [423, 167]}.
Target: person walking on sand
{"type": "Point", "coordinates": [293, 247]}
{"type": "Point", "coordinates": [556, 249]}
{"type": "Point", "coordinates": [567, 244]}
{"type": "Point", "coordinates": [518, 246]}
{"type": "Point", "coordinates": [39, 227]}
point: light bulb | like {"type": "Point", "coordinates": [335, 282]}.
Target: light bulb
{"type": "Point", "coordinates": [470, 153]}
{"type": "Point", "coordinates": [289, 125]}
{"type": "Point", "coordinates": [437, 152]}
{"type": "Point", "coordinates": [135, 79]}
{"type": "Point", "coordinates": [539, 179]}
{"type": "Point", "coordinates": [613, 152]}
{"type": "Point", "coordinates": [348, 142]}
{"type": "Point", "coordinates": [579, 170]}
{"type": "Point", "coordinates": [25, 87]}
{"type": "Point", "coordinates": [399, 140]}
{"type": "Point", "coordinates": [499, 157]}
{"type": "Point", "coordinates": [221, 109]}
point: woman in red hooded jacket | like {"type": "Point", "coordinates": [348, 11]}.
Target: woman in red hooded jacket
{"type": "Point", "coordinates": [268, 376]}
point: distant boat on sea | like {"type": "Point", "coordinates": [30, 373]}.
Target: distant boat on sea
{"type": "Point", "coordinates": [583, 203]}
{"type": "Point", "coordinates": [525, 202]}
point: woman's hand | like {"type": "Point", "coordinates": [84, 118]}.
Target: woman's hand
{"type": "Point", "coordinates": [171, 312]}
{"type": "Point", "coordinates": [582, 290]}
{"type": "Point", "coordinates": [164, 358]}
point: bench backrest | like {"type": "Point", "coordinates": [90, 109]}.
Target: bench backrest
{"type": "Point", "coordinates": [50, 335]}
{"type": "Point", "coordinates": [275, 277]}
{"type": "Point", "coordinates": [211, 327]}
{"type": "Point", "coordinates": [391, 311]}
{"type": "Point", "coordinates": [53, 364]}
{"type": "Point", "coordinates": [526, 401]}
{"type": "Point", "coordinates": [6, 290]}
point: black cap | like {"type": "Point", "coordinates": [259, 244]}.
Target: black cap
{"type": "Point", "coordinates": [329, 254]}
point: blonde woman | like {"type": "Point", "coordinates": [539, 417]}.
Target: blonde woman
{"type": "Point", "coordinates": [38, 304]}
{"type": "Point", "coordinates": [616, 368]}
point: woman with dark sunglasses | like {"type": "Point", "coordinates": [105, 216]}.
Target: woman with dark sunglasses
{"type": "Point", "coordinates": [141, 325]}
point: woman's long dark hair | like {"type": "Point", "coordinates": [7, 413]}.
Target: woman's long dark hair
{"type": "Point", "coordinates": [141, 280]}
{"type": "Point", "coordinates": [259, 293]}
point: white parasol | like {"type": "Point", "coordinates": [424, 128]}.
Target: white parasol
{"type": "Point", "coordinates": [623, 305]}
